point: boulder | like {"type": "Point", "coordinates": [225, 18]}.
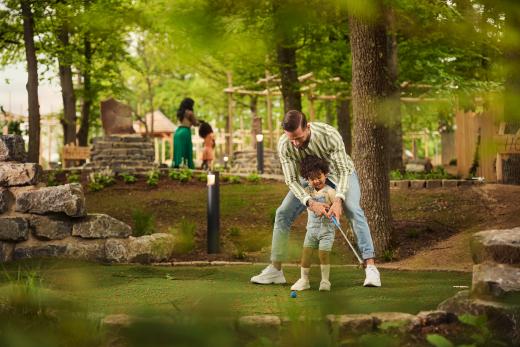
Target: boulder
{"type": "Point", "coordinates": [437, 317]}
{"type": "Point", "coordinates": [144, 249]}
{"type": "Point", "coordinates": [351, 324]}
{"type": "Point", "coordinates": [100, 226]}
{"type": "Point", "coordinates": [6, 251]}
{"type": "Point", "coordinates": [393, 320]}
{"type": "Point", "coordinates": [12, 148]}
{"type": "Point", "coordinates": [14, 229]}
{"type": "Point", "coordinates": [117, 321]}
{"type": "Point", "coordinates": [5, 200]}
{"type": "Point", "coordinates": [18, 174]}
{"type": "Point", "coordinates": [51, 227]}
{"type": "Point", "coordinates": [503, 319]}
{"type": "Point", "coordinates": [116, 117]}
{"type": "Point", "coordinates": [501, 246]}
{"type": "Point", "coordinates": [496, 281]}
{"type": "Point", "coordinates": [260, 321]}
{"type": "Point", "coordinates": [70, 247]}
{"type": "Point", "coordinates": [68, 199]}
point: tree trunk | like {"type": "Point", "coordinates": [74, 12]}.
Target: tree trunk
{"type": "Point", "coordinates": [395, 131]}
{"type": "Point", "coordinates": [292, 99]}
{"type": "Point", "coordinates": [67, 88]}
{"type": "Point", "coordinates": [344, 124]}
{"type": "Point", "coordinates": [87, 94]}
{"type": "Point", "coordinates": [329, 113]}
{"type": "Point", "coordinates": [32, 83]}
{"type": "Point", "coordinates": [369, 89]}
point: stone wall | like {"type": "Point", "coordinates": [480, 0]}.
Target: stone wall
{"type": "Point", "coordinates": [39, 221]}
{"type": "Point", "coordinates": [245, 162]}
{"type": "Point", "coordinates": [122, 153]}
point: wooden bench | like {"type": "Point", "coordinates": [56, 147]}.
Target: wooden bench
{"type": "Point", "coordinates": [73, 152]}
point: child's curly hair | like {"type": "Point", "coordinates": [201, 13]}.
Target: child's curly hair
{"type": "Point", "coordinates": [311, 166]}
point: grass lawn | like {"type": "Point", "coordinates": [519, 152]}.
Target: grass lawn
{"type": "Point", "coordinates": [137, 288]}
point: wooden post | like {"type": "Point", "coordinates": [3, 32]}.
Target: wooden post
{"type": "Point", "coordinates": [157, 148]}
{"type": "Point", "coordinates": [229, 122]}
{"type": "Point", "coordinates": [163, 150]}
{"type": "Point", "coordinates": [171, 147]}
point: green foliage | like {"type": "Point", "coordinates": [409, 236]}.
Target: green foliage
{"type": "Point", "coordinates": [144, 223]}
{"type": "Point", "coordinates": [184, 236]}
{"type": "Point", "coordinates": [185, 175]}
{"type": "Point", "coordinates": [439, 340]}
{"type": "Point", "coordinates": [234, 179]}
{"type": "Point", "coordinates": [73, 177]}
{"type": "Point", "coordinates": [413, 233]}
{"type": "Point", "coordinates": [254, 178]}
{"type": "Point", "coordinates": [234, 232]}
{"type": "Point", "coordinates": [101, 179]}
{"type": "Point", "coordinates": [51, 179]}
{"type": "Point", "coordinates": [153, 178]}
{"type": "Point", "coordinates": [203, 177]}
{"type": "Point", "coordinates": [272, 214]}
{"type": "Point", "coordinates": [438, 173]}
{"type": "Point", "coordinates": [13, 127]}
{"type": "Point", "coordinates": [174, 174]}
{"type": "Point", "coordinates": [388, 255]}
{"type": "Point", "coordinates": [128, 178]}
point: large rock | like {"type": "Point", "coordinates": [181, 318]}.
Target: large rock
{"type": "Point", "coordinates": [351, 324]}
{"type": "Point", "coordinates": [497, 282]}
{"type": "Point", "coordinates": [393, 320]}
{"type": "Point", "coordinates": [12, 148]}
{"type": "Point", "coordinates": [71, 248]}
{"type": "Point", "coordinates": [116, 117]}
{"type": "Point", "coordinates": [5, 200]}
{"type": "Point", "coordinates": [68, 199]}
{"type": "Point", "coordinates": [6, 251]}
{"type": "Point", "coordinates": [50, 227]}
{"type": "Point", "coordinates": [260, 321]}
{"type": "Point", "coordinates": [17, 174]}
{"type": "Point", "coordinates": [501, 246]}
{"type": "Point", "coordinates": [13, 229]}
{"type": "Point", "coordinates": [144, 249]}
{"type": "Point", "coordinates": [98, 226]}
{"type": "Point", "coordinates": [503, 319]}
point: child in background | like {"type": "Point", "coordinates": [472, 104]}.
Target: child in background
{"type": "Point", "coordinates": [208, 153]}
{"type": "Point", "coordinates": [320, 230]}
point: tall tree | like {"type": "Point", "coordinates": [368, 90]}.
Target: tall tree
{"type": "Point", "coordinates": [395, 131]}
{"type": "Point", "coordinates": [369, 90]}
{"type": "Point", "coordinates": [32, 82]}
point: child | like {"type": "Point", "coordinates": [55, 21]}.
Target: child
{"type": "Point", "coordinates": [206, 132]}
{"type": "Point", "coordinates": [320, 230]}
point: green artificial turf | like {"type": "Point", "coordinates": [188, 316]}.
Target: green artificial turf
{"type": "Point", "coordinates": [133, 289]}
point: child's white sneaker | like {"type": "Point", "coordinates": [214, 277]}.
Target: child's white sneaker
{"type": "Point", "coordinates": [324, 285]}
{"type": "Point", "coordinates": [373, 279]}
{"type": "Point", "coordinates": [301, 284]}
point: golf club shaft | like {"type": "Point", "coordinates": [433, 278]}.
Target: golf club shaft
{"type": "Point", "coordinates": [334, 220]}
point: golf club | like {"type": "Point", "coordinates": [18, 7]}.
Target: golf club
{"type": "Point", "coordinates": [334, 220]}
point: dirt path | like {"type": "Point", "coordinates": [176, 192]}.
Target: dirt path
{"type": "Point", "coordinates": [502, 206]}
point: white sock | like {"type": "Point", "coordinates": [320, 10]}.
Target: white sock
{"type": "Point", "coordinates": [325, 271]}
{"type": "Point", "coordinates": [305, 272]}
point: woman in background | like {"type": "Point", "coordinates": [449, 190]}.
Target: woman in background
{"type": "Point", "coordinates": [208, 153]}
{"type": "Point", "coordinates": [182, 144]}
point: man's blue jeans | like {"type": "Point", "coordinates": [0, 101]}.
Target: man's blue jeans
{"type": "Point", "coordinates": [291, 208]}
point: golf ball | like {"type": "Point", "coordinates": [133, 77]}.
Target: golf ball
{"type": "Point", "coordinates": [293, 294]}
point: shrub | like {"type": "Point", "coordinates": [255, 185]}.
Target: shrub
{"type": "Point", "coordinates": [202, 177]}
{"type": "Point", "coordinates": [184, 237]}
{"type": "Point", "coordinates": [73, 177]}
{"type": "Point", "coordinates": [253, 178]}
{"type": "Point", "coordinates": [174, 174]}
{"type": "Point", "coordinates": [51, 179]}
{"type": "Point", "coordinates": [234, 179]}
{"type": "Point", "coordinates": [153, 178]}
{"type": "Point", "coordinates": [388, 255]}
{"type": "Point", "coordinates": [128, 178]}
{"type": "Point", "coordinates": [396, 175]}
{"type": "Point", "coordinates": [101, 179]}
{"type": "Point", "coordinates": [144, 223]}
{"type": "Point", "coordinates": [185, 175]}
{"type": "Point", "coordinates": [234, 232]}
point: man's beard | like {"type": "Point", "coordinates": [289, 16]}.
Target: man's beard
{"type": "Point", "coordinates": [306, 143]}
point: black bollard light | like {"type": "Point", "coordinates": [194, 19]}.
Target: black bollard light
{"type": "Point", "coordinates": [226, 159]}
{"type": "Point", "coordinates": [213, 213]}
{"type": "Point", "coordinates": [260, 153]}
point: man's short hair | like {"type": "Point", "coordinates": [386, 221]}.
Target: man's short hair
{"type": "Point", "coordinates": [294, 119]}
{"type": "Point", "coordinates": [311, 166]}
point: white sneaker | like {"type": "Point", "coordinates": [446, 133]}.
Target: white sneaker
{"type": "Point", "coordinates": [269, 275]}
{"type": "Point", "coordinates": [301, 284]}
{"type": "Point", "coordinates": [324, 285]}
{"type": "Point", "coordinates": [372, 277]}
